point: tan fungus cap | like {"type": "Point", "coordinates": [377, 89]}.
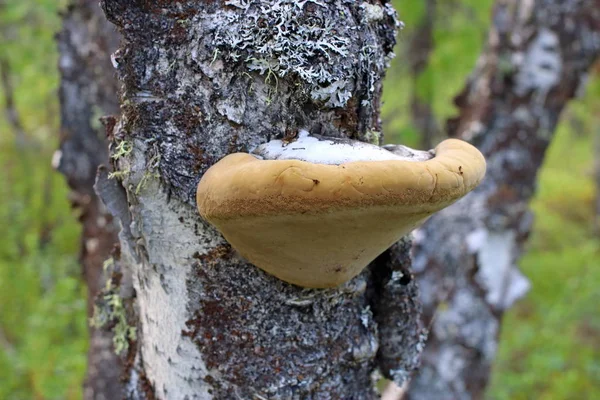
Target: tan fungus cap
{"type": "Point", "coordinates": [318, 225]}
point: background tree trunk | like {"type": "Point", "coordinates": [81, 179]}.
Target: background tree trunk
{"type": "Point", "coordinates": [88, 90]}
{"type": "Point", "coordinates": [203, 79]}
{"type": "Point", "coordinates": [537, 59]}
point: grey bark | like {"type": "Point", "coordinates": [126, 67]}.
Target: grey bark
{"type": "Point", "coordinates": [203, 79]}
{"type": "Point", "coordinates": [537, 59]}
{"type": "Point", "coordinates": [88, 90]}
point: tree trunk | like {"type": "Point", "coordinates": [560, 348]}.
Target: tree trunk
{"type": "Point", "coordinates": [537, 58]}
{"type": "Point", "coordinates": [203, 79]}
{"type": "Point", "coordinates": [88, 90]}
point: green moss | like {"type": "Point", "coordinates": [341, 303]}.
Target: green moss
{"type": "Point", "coordinates": [122, 149]}
{"type": "Point", "coordinates": [119, 174]}
{"type": "Point", "coordinates": [110, 312]}
{"type": "Point", "coordinates": [150, 172]}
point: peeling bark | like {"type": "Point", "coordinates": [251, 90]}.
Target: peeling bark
{"type": "Point", "coordinates": [204, 79]}
{"type": "Point", "coordinates": [88, 90]}
{"type": "Point", "coordinates": [537, 58]}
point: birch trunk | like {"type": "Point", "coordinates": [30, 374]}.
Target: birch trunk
{"type": "Point", "coordinates": [537, 59]}
{"type": "Point", "coordinates": [203, 79]}
{"type": "Point", "coordinates": [88, 90]}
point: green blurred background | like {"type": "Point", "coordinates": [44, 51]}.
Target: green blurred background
{"type": "Point", "coordinates": [550, 342]}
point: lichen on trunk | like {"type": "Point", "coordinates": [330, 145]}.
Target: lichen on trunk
{"type": "Point", "coordinates": [204, 79]}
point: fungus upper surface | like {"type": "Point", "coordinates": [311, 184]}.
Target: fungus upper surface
{"type": "Point", "coordinates": [242, 184]}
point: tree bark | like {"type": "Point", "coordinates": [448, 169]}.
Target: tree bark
{"type": "Point", "coordinates": [537, 59]}
{"type": "Point", "coordinates": [88, 90]}
{"type": "Point", "coordinates": [203, 79]}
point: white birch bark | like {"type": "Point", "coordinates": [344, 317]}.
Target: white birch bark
{"type": "Point", "coordinates": [201, 79]}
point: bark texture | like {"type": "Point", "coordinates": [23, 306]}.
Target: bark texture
{"type": "Point", "coordinates": [88, 90]}
{"type": "Point", "coordinates": [537, 59]}
{"type": "Point", "coordinates": [203, 79]}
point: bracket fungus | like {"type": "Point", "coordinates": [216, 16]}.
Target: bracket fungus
{"type": "Point", "coordinates": [315, 211]}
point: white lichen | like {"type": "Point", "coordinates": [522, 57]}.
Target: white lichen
{"type": "Point", "coordinates": [366, 317]}
{"type": "Point", "coordinates": [396, 276]}
{"type": "Point", "coordinates": [334, 94]}
{"type": "Point", "coordinates": [283, 38]}
{"type": "Point", "coordinates": [372, 12]}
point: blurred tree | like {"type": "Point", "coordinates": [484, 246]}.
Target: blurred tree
{"type": "Point", "coordinates": [537, 58]}
{"type": "Point", "coordinates": [88, 90]}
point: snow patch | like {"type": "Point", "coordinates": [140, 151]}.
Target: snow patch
{"type": "Point", "coordinates": [316, 149]}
